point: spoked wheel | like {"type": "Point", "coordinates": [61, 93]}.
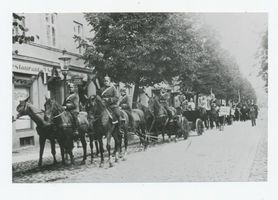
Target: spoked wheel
{"type": "Point", "coordinates": [199, 126]}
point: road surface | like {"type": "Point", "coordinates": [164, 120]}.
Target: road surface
{"type": "Point", "coordinates": [239, 153]}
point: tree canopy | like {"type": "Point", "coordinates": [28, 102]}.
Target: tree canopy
{"type": "Point", "coordinates": [147, 48]}
{"type": "Point", "coordinates": [263, 59]}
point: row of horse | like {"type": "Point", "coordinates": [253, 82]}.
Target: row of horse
{"type": "Point", "coordinates": [55, 124]}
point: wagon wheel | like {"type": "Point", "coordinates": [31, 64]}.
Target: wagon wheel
{"type": "Point", "coordinates": [199, 126]}
{"type": "Point", "coordinates": [185, 128]}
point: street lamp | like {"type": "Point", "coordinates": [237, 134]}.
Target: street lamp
{"type": "Point", "coordinates": [64, 63]}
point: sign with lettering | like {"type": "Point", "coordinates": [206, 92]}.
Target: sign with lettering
{"type": "Point", "coordinates": [30, 68]}
{"type": "Point", "coordinates": [224, 110]}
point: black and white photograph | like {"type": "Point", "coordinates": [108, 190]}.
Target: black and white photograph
{"type": "Point", "coordinates": [139, 97]}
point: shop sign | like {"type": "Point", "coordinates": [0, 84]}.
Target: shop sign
{"type": "Point", "coordinates": [30, 68]}
{"type": "Point", "coordinates": [77, 80]}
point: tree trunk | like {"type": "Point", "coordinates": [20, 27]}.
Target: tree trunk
{"type": "Point", "coordinates": [197, 98]}
{"type": "Point", "coordinates": [136, 92]}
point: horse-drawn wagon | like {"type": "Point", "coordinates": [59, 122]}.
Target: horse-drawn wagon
{"type": "Point", "coordinates": [195, 122]}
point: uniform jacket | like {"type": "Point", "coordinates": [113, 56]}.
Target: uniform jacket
{"type": "Point", "coordinates": [163, 99]}
{"type": "Point", "coordinates": [111, 94]}
{"type": "Point", "coordinates": [124, 102]}
{"type": "Point", "coordinates": [72, 102]}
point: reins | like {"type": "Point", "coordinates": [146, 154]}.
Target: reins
{"type": "Point", "coordinates": [58, 115]}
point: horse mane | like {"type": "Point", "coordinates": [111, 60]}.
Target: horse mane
{"type": "Point", "coordinates": [37, 115]}
{"type": "Point", "coordinates": [56, 108]}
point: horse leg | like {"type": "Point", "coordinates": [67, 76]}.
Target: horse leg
{"type": "Point", "coordinates": [126, 143]}
{"type": "Point", "coordinates": [62, 151]}
{"type": "Point", "coordinates": [101, 152]}
{"type": "Point", "coordinates": [42, 144]}
{"type": "Point", "coordinates": [116, 136]}
{"type": "Point", "coordinates": [91, 147]}
{"type": "Point", "coordinates": [120, 144]}
{"type": "Point", "coordinates": [53, 151]}
{"type": "Point", "coordinates": [144, 137]}
{"type": "Point", "coordinates": [108, 147]}
{"type": "Point", "coordinates": [97, 148]}
{"type": "Point", "coordinates": [84, 145]}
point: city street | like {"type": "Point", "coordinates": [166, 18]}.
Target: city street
{"type": "Point", "coordinates": [239, 153]}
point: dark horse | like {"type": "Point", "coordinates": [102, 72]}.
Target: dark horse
{"type": "Point", "coordinates": [139, 125]}
{"type": "Point", "coordinates": [103, 127]}
{"type": "Point", "coordinates": [44, 129]}
{"type": "Point", "coordinates": [161, 120]}
{"type": "Point", "coordinates": [213, 116]}
{"type": "Point", "coordinates": [62, 122]}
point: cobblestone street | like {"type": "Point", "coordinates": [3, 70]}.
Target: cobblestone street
{"type": "Point", "coordinates": [239, 153]}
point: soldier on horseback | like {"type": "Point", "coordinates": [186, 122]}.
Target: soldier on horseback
{"type": "Point", "coordinates": [163, 100]}
{"type": "Point", "coordinates": [110, 96]}
{"type": "Point", "coordinates": [71, 104]}
{"type": "Point", "coordinates": [124, 104]}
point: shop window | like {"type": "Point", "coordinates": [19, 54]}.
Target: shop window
{"type": "Point", "coordinates": [26, 141]}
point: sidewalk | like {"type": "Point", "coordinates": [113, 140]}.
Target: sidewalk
{"type": "Point", "coordinates": [32, 152]}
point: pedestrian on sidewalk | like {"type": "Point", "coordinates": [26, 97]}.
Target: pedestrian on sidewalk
{"type": "Point", "coordinates": [253, 112]}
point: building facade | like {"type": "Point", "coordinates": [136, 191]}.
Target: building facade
{"type": "Point", "coordinates": [36, 67]}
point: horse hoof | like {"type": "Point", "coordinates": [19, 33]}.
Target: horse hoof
{"type": "Point", "coordinates": [39, 164]}
{"type": "Point", "coordinates": [83, 162]}
{"type": "Point", "coordinates": [124, 159]}
{"type": "Point", "coordinates": [110, 165]}
{"type": "Point", "coordinates": [101, 165]}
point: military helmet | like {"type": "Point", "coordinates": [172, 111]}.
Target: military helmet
{"type": "Point", "coordinates": [123, 90]}
{"type": "Point", "coordinates": [71, 85]}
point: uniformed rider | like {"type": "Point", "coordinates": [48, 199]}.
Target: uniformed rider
{"type": "Point", "coordinates": [71, 104]}
{"type": "Point", "coordinates": [163, 99]}
{"type": "Point", "coordinates": [124, 104]}
{"type": "Point", "coordinates": [110, 97]}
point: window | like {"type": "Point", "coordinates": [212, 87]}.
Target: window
{"type": "Point", "coordinates": [48, 34]}
{"type": "Point", "coordinates": [26, 141]}
{"type": "Point", "coordinates": [78, 31]}
{"type": "Point", "coordinates": [53, 37]}
{"type": "Point", "coordinates": [50, 20]}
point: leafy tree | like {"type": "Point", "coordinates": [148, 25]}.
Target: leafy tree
{"type": "Point", "coordinates": [263, 57]}
{"type": "Point", "coordinates": [138, 48]}
{"type": "Point", "coordinates": [19, 30]}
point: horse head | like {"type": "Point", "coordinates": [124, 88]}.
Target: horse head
{"type": "Point", "coordinates": [52, 109]}
{"type": "Point", "coordinates": [95, 104]}
{"type": "Point", "coordinates": [22, 107]}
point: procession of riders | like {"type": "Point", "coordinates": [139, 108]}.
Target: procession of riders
{"type": "Point", "coordinates": [114, 102]}
{"type": "Point", "coordinates": [108, 114]}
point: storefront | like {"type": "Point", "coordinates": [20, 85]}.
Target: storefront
{"type": "Point", "coordinates": [37, 80]}
{"type": "Point", "coordinates": [27, 83]}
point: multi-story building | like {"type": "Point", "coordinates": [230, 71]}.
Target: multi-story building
{"type": "Point", "coordinates": [36, 65]}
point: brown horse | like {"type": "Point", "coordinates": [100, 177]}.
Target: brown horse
{"type": "Point", "coordinates": [139, 127]}
{"type": "Point", "coordinates": [161, 122]}
{"type": "Point", "coordinates": [103, 127]}
{"type": "Point", "coordinates": [44, 129]}
{"type": "Point", "coordinates": [62, 122]}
